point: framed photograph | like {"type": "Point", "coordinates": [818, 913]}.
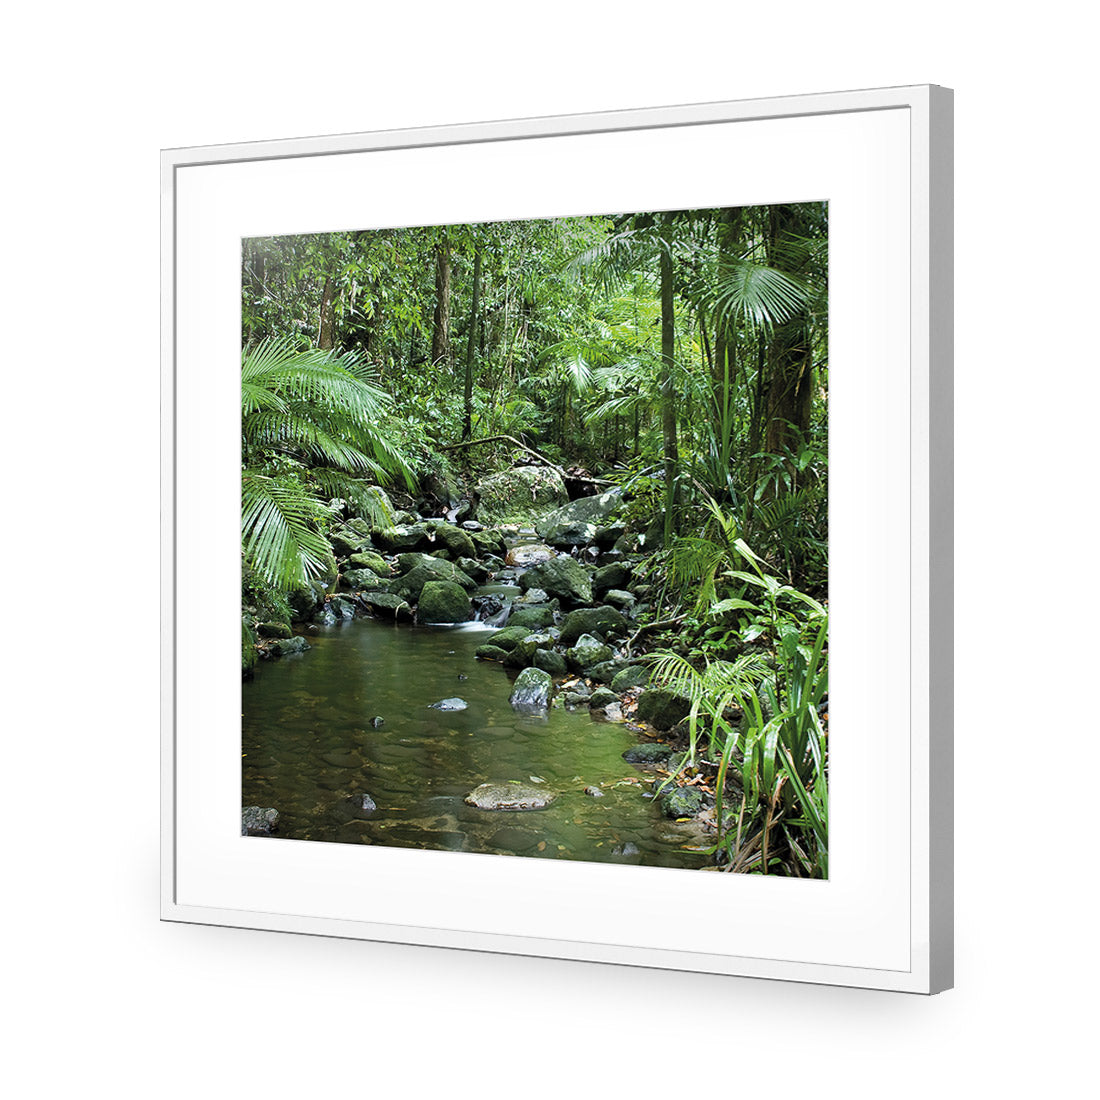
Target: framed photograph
{"type": "Point", "coordinates": [583, 487]}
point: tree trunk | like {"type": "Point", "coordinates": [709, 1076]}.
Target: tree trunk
{"type": "Point", "coordinates": [471, 339]}
{"type": "Point", "coordinates": [668, 385]}
{"type": "Point", "coordinates": [441, 337]}
{"type": "Point", "coordinates": [324, 324]}
{"type": "Point", "coordinates": [790, 356]}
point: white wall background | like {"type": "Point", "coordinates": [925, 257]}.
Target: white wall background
{"type": "Point", "coordinates": [100, 994]}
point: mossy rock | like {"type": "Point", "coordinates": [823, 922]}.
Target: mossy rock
{"type": "Point", "coordinates": [602, 697]}
{"type": "Point", "coordinates": [388, 606]}
{"type": "Point", "coordinates": [287, 647]}
{"type": "Point", "coordinates": [410, 536]}
{"type": "Point", "coordinates": [648, 752]}
{"type": "Point", "coordinates": [662, 709]}
{"type": "Point", "coordinates": [374, 562]}
{"type": "Point", "coordinates": [273, 629]}
{"type": "Point", "coordinates": [508, 638]}
{"type": "Point", "coordinates": [587, 653]}
{"type": "Point", "coordinates": [444, 602]}
{"type": "Point", "coordinates": [412, 584]}
{"type": "Point", "coordinates": [682, 801]}
{"type": "Point", "coordinates": [603, 621]}
{"type": "Point", "coordinates": [490, 653]}
{"type": "Point", "coordinates": [532, 690]}
{"type": "Point", "coordinates": [346, 542]}
{"type": "Point", "coordinates": [563, 577]}
{"type": "Point", "coordinates": [549, 660]}
{"type": "Point", "coordinates": [358, 580]}
{"type": "Point", "coordinates": [630, 677]}
{"type": "Point", "coordinates": [520, 495]}
{"type": "Point", "coordinates": [615, 575]}
{"type": "Point", "coordinates": [456, 542]}
{"type": "Point", "coordinates": [536, 618]}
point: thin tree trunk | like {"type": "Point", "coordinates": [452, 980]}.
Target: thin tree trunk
{"type": "Point", "coordinates": [324, 323]}
{"type": "Point", "coordinates": [668, 386]}
{"type": "Point", "coordinates": [441, 338]}
{"type": "Point", "coordinates": [471, 337]}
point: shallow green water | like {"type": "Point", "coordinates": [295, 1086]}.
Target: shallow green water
{"type": "Point", "coordinates": [309, 748]}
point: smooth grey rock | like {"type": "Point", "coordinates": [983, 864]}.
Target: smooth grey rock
{"type": "Point", "coordinates": [450, 704]}
{"type": "Point", "coordinates": [576, 523]}
{"type": "Point", "coordinates": [286, 647]}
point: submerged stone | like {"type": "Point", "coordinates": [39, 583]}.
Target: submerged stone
{"type": "Point", "coordinates": [509, 796]}
{"type": "Point", "coordinates": [648, 753]}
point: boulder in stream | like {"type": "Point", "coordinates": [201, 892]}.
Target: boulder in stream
{"type": "Point", "coordinates": [562, 577]}
{"type": "Point", "coordinates": [532, 690]}
{"type": "Point", "coordinates": [603, 621]}
{"type": "Point", "coordinates": [509, 796]}
{"type": "Point", "coordinates": [576, 523]}
{"type": "Point", "coordinates": [433, 569]}
{"type": "Point", "coordinates": [586, 653]}
{"type": "Point", "coordinates": [519, 495]}
{"type": "Point", "coordinates": [444, 602]}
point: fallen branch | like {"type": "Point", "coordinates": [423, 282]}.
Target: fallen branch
{"type": "Point", "coordinates": [645, 628]}
{"type": "Point", "coordinates": [510, 439]}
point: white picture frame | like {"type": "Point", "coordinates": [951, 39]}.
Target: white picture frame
{"type": "Point", "coordinates": [884, 918]}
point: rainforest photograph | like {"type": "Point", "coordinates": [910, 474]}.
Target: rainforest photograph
{"type": "Point", "coordinates": [534, 538]}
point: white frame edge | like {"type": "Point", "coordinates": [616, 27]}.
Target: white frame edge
{"type": "Point", "coordinates": [932, 570]}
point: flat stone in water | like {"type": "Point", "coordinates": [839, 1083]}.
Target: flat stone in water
{"type": "Point", "coordinates": [450, 704]}
{"type": "Point", "coordinates": [513, 840]}
{"type": "Point", "coordinates": [509, 796]}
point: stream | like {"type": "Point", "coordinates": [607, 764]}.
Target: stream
{"type": "Point", "coordinates": [311, 748]}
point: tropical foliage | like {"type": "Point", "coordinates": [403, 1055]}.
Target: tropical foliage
{"type": "Point", "coordinates": [681, 355]}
